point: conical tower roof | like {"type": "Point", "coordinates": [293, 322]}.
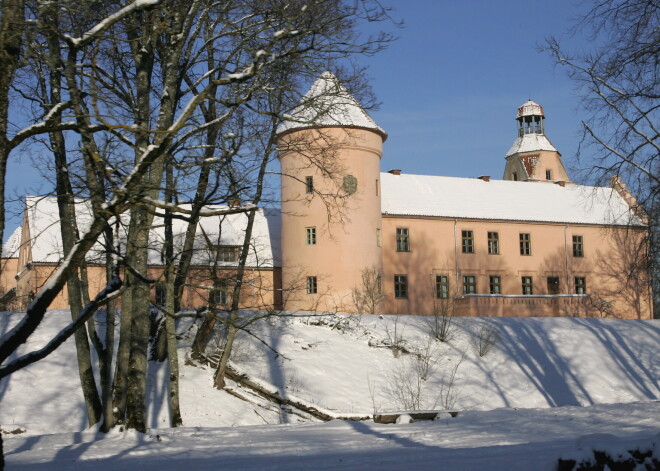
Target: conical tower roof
{"type": "Point", "coordinates": [329, 104]}
{"type": "Point", "coordinates": [530, 143]}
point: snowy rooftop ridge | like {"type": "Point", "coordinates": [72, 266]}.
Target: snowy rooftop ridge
{"type": "Point", "coordinates": [471, 198]}
{"type": "Point", "coordinates": [227, 230]}
{"type": "Point", "coordinates": [10, 248]}
{"type": "Point", "coordinates": [328, 103]}
{"type": "Point", "coordinates": [530, 143]}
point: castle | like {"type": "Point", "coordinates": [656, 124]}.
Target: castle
{"type": "Point", "coordinates": [532, 244]}
{"type": "Point", "coordinates": [351, 238]}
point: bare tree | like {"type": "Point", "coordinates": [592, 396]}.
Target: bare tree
{"type": "Point", "coordinates": [368, 296]}
{"type": "Point", "coordinates": [145, 76]}
{"type": "Point", "coordinates": [440, 323]}
{"type": "Point", "coordinates": [619, 83]}
{"type": "Point", "coordinates": [12, 21]}
{"type": "Point", "coordinates": [485, 338]}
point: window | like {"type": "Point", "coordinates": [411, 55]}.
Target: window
{"type": "Point", "coordinates": [548, 174]}
{"type": "Point", "coordinates": [228, 253]}
{"type": "Point", "coordinates": [400, 286]}
{"type": "Point", "coordinates": [402, 239]}
{"type": "Point", "coordinates": [468, 241]}
{"type": "Point", "coordinates": [469, 284]}
{"type": "Point", "coordinates": [378, 238]}
{"type": "Point", "coordinates": [309, 185]}
{"type": "Point", "coordinates": [493, 243]}
{"type": "Point", "coordinates": [515, 176]}
{"type": "Point", "coordinates": [525, 244]}
{"type": "Point", "coordinates": [527, 286]}
{"type": "Point", "coordinates": [580, 285]}
{"type": "Point", "coordinates": [553, 285]}
{"type": "Point", "coordinates": [310, 235]}
{"type": "Point", "coordinates": [578, 246]}
{"type": "Point", "coordinates": [376, 187]}
{"type": "Point", "coordinates": [160, 294]}
{"type": "Point", "coordinates": [441, 287]}
{"type": "Point", "coordinates": [312, 287]}
{"type": "Point", "coordinates": [219, 293]}
{"type": "Point", "coordinates": [495, 285]}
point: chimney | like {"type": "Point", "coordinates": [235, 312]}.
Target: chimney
{"type": "Point", "coordinates": [395, 171]}
{"type": "Point", "coordinates": [234, 202]}
{"type": "Point", "coordinates": [485, 178]}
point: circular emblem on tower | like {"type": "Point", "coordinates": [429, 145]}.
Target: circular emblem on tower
{"type": "Point", "coordinates": [350, 184]}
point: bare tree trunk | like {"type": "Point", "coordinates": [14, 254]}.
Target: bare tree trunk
{"type": "Point", "coordinates": [69, 235]}
{"type": "Point", "coordinates": [234, 316]}
{"type": "Point", "coordinates": [210, 115]}
{"type": "Point", "coordinates": [140, 323]}
{"type": "Point", "coordinates": [68, 225]}
{"type": "Point", "coordinates": [123, 350]}
{"type": "Point", "coordinates": [12, 22]}
{"type": "Point", "coordinates": [141, 32]}
{"type": "Point", "coordinates": [219, 380]}
{"type": "Point", "coordinates": [202, 336]}
{"type": "Point", "coordinates": [232, 330]}
{"type": "Point", "coordinates": [108, 353]}
{"type": "Point", "coordinates": [170, 325]}
{"type": "Point", "coordinates": [173, 357]}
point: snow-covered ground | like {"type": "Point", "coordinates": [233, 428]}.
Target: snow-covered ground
{"type": "Point", "coordinates": [548, 388]}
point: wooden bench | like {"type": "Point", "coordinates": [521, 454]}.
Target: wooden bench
{"type": "Point", "coordinates": [392, 417]}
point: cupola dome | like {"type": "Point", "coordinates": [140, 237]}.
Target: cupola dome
{"type": "Point", "coordinates": [530, 108]}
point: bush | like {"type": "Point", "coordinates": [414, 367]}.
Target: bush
{"type": "Point", "coordinates": [440, 324]}
{"type": "Point", "coordinates": [602, 460]}
{"type": "Point", "coordinates": [485, 339]}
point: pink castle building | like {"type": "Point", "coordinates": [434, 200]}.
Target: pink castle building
{"type": "Point", "coordinates": [532, 244]}
{"type": "Point", "coordinates": [355, 239]}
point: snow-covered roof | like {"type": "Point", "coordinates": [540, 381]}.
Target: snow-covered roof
{"type": "Point", "coordinates": [44, 228]}
{"type": "Point", "coordinates": [531, 143]}
{"type": "Point", "coordinates": [213, 231]}
{"type": "Point", "coordinates": [228, 230]}
{"type": "Point", "coordinates": [529, 108]}
{"type": "Point", "coordinates": [10, 248]}
{"type": "Point", "coordinates": [467, 198]}
{"type": "Point", "coordinates": [328, 103]}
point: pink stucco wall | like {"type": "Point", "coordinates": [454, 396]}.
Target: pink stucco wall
{"type": "Point", "coordinates": [610, 255]}
{"type": "Point", "coordinates": [346, 225]}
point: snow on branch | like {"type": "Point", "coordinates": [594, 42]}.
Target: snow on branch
{"type": "Point", "coordinates": [205, 212]}
{"type": "Point", "coordinates": [103, 25]}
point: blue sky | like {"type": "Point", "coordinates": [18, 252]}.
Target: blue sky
{"type": "Point", "coordinates": [449, 88]}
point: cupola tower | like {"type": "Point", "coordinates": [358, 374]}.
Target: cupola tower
{"type": "Point", "coordinates": [532, 156]}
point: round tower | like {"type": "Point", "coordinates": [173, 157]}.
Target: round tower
{"type": "Point", "coordinates": [329, 152]}
{"type": "Point", "coordinates": [532, 157]}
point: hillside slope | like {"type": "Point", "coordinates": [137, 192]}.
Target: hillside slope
{"type": "Point", "coordinates": [342, 365]}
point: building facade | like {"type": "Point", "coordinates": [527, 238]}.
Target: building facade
{"type": "Point", "coordinates": [350, 238]}
{"type": "Point", "coordinates": [532, 244]}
